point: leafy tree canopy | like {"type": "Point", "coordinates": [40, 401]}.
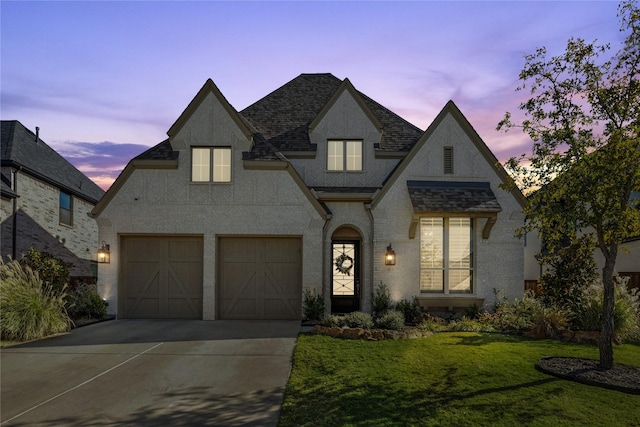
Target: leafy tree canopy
{"type": "Point", "coordinates": [583, 115]}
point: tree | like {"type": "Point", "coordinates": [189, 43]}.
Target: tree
{"type": "Point", "coordinates": [583, 116]}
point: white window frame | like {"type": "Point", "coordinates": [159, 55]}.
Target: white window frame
{"type": "Point", "coordinates": [344, 155]}
{"type": "Point", "coordinates": [442, 267]}
{"type": "Point", "coordinates": [211, 164]}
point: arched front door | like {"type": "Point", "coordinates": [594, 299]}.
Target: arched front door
{"type": "Point", "coordinates": [345, 277]}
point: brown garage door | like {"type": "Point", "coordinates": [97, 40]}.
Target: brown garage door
{"type": "Point", "coordinates": [161, 277]}
{"type": "Point", "coordinates": [259, 278]}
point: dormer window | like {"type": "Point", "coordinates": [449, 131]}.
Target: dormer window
{"type": "Point", "coordinates": [344, 155]}
{"type": "Point", "coordinates": [211, 164]}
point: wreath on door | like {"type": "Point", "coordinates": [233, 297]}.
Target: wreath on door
{"type": "Point", "coordinates": [344, 264]}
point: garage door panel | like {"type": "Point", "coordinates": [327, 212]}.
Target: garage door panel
{"type": "Point", "coordinates": [239, 308]}
{"type": "Point", "coordinates": [162, 277]}
{"type": "Point", "coordinates": [259, 278]}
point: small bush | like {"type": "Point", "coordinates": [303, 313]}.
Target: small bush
{"type": "Point", "coordinates": [432, 323]}
{"type": "Point", "coordinates": [51, 269]}
{"type": "Point", "coordinates": [359, 319]}
{"type": "Point", "coordinates": [84, 302]}
{"type": "Point", "coordinates": [410, 309]}
{"type": "Point", "coordinates": [392, 319]}
{"type": "Point", "coordinates": [626, 313]}
{"type": "Point", "coordinates": [331, 321]}
{"type": "Point", "coordinates": [516, 316]}
{"type": "Point", "coordinates": [29, 308]}
{"type": "Point", "coordinates": [313, 305]}
{"type": "Point", "coordinates": [467, 324]}
{"type": "Point", "coordinates": [381, 300]}
{"type": "Point", "coordinates": [549, 320]}
{"type": "Point", "coordinates": [473, 312]}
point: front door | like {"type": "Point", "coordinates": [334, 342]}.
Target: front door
{"type": "Point", "coordinates": [345, 283]}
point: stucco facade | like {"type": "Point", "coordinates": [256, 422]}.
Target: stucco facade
{"type": "Point", "coordinates": [281, 186]}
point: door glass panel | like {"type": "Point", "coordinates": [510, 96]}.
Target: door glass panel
{"type": "Point", "coordinates": [344, 269]}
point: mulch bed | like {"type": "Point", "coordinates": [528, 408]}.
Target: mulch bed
{"type": "Point", "coordinates": [587, 371]}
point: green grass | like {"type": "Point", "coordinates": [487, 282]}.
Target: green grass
{"type": "Point", "coordinates": [450, 379]}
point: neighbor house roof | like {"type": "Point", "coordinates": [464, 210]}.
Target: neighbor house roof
{"type": "Point", "coordinates": [22, 149]}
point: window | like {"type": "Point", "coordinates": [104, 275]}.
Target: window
{"type": "Point", "coordinates": [211, 164]}
{"type": "Point", "coordinates": [446, 255]}
{"type": "Point", "coordinates": [448, 160]}
{"type": "Point", "coordinates": [344, 155]}
{"type": "Point", "coordinates": [66, 209]}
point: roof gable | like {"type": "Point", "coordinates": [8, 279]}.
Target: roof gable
{"type": "Point", "coordinates": [346, 86]}
{"type": "Point", "coordinates": [451, 109]}
{"type": "Point", "coordinates": [207, 88]}
{"type": "Point", "coordinates": [22, 148]}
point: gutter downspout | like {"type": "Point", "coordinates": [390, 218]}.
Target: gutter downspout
{"type": "Point", "coordinates": [14, 231]}
{"type": "Point", "coordinates": [325, 289]}
{"type": "Point", "coordinates": [367, 207]}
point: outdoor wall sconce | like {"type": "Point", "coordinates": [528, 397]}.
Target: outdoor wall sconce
{"type": "Point", "coordinates": [104, 256]}
{"type": "Point", "coordinates": [390, 256]}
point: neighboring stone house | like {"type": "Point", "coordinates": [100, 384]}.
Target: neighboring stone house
{"type": "Point", "coordinates": [46, 202]}
{"type": "Point", "coordinates": [315, 187]}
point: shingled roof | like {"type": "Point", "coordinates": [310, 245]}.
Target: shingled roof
{"type": "Point", "coordinates": [280, 120]}
{"type": "Point", "coordinates": [452, 196]}
{"type": "Point", "coordinates": [21, 148]}
{"type": "Point", "coordinates": [283, 116]}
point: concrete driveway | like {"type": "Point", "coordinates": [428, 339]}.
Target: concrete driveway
{"type": "Point", "coordinates": [151, 372]}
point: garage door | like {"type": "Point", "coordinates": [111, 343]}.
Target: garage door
{"type": "Point", "coordinates": [161, 277]}
{"type": "Point", "coordinates": [259, 278]}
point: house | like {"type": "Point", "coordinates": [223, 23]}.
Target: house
{"type": "Point", "coordinates": [46, 202]}
{"type": "Point", "coordinates": [315, 187]}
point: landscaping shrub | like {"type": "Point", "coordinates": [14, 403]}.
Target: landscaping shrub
{"type": "Point", "coordinates": [29, 307]}
{"type": "Point", "coordinates": [313, 305]}
{"type": "Point", "coordinates": [570, 270]}
{"type": "Point", "coordinates": [331, 321]}
{"type": "Point", "coordinates": [381, 300]}
{"type": "Point", "coordinates": [359, 319]}
{"type": "Point", "coordinates": [626, 315]}
{"type": "Point", "coordinates": [51, 269]}
{"type": "Point", "coordinates": [467, 324]}
{"type": "Point", "coordinates": [549, 319]}
{"type": "Point", "coordinates": [391, 319]}
{"type": "Point", "coordinates": [432, 323]}
{"type": "Point", "coordinates": [85, 302]}
{"type": "Point", "coordinates": [516, 316]}
{"type": "Point", "coordinates": [410, 309]}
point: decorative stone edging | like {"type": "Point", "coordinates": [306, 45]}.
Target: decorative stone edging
{"type": "Point", "coordinates": [370, 334]}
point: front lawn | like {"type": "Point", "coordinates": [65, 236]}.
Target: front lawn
{"type": "Point", "coordinates": [448, 379]}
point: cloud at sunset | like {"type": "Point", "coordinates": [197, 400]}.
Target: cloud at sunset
{"type": "Point", "coordinates": [102, 162]}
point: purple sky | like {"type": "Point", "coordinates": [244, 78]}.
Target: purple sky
{"type": "Point", "coordinates": [106, 80]}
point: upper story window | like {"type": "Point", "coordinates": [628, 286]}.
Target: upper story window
{"type": "Point", "coordinates": [446, 255]}
{"type": "Point", "coordinates": [344, 155]}
{"type": "Point", "coordinates": [211, 164]}
{"type": "Point", "coordinates": [66, 209]}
